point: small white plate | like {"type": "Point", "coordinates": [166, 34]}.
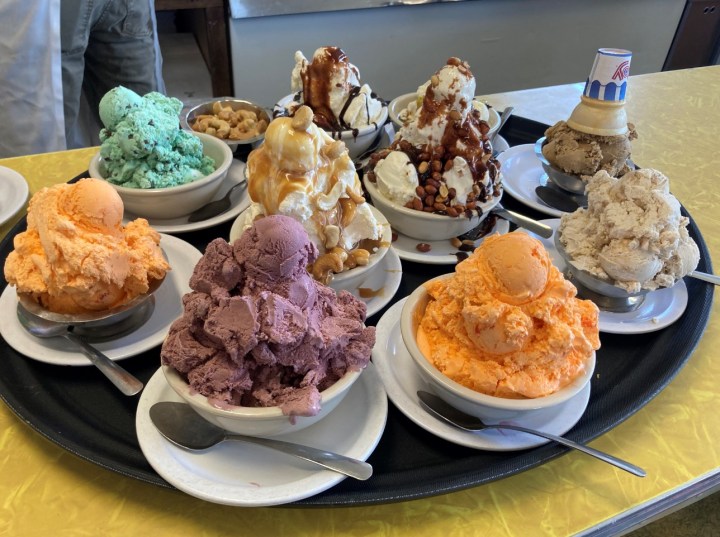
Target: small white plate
{"type": "Point", "coordinates": [522, 173]}
{"type": "Point", "coordinates": [233, 473]}
{"type": "Point", "coordinates": [441, 252]}
{"type": "Point", "coordinates": [182, 257]}
{"type": "Point", "coordinates": [660, 308]}
{"type": "Point", "coordinates": [13, 193]}
{"type": "Point", "coordinates": [402, 381]}
{"type": "Point", "coordinates": [240, 201]}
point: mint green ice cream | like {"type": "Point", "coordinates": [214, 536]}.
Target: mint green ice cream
{"type": "Point", "coordinates": [143, 145]}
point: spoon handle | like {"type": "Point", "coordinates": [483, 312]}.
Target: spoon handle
{"type": "Point", "coordinates": [332, 461]}
{"type": "Point", "coordinates": [704, 276]}
{"type": "Point", "coordinates": [623, 465]}
{"type": "Point", "coordinates": [504, 116]}
{"type": "Point", "coordinates": [523, 221]}
{"type": "Point", "coordinates": [125, 382]}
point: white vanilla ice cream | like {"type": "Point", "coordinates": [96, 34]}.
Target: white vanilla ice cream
{"type": "Point", "coordinates": [330, 86]}
{"type": "Point", "coordinates": [301, 172]}
{"type": "Point", "coordinates": [632, 232]}
{"type": "Point", "coordinates": [451, 88]}
{"type": "Point", "coordinates": [396, 177]}
{"type": "Point", "coordinates": [408, 113]}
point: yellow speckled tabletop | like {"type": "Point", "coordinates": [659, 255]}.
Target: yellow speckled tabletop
{"type": "Point", "coordinates": [46, 490]}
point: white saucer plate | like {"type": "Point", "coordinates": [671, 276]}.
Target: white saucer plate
{"type": "Point", "coordinates": [182, 257]}
{"type": "Point", "coordinates": [402, 381]}
{"type": "Point", "coordinates": [522, 173]}
{"type": "Point", "coordinates": [13, 193]}
{"type": "Point", "coordinates": [239, 200]}
{"type": "Point", "coordinates": [441, 252]}
{"type": "Point", "coordinates": [381, 283]}
{"type": "Point", "coordinates": [233, 473]}
{"type": "Point", "coordinates": [659, 310]}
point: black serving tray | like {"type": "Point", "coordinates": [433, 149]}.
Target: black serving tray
{"type": "Point", "coordinates": [75, 407]}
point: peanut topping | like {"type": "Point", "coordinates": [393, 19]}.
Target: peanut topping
{"type": "Point", "coordinates": [302, 119]}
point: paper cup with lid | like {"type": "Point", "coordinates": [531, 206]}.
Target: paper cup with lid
{"type": "Point", "coordinates": [601, 110]}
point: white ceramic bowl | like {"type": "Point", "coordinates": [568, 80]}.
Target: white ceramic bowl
{"type": "Point", "coordinates": [425, 226]}
{"type": "Point", "coordinates": [256, 421]}
{"type": "Point", "coordinates": [357, 143]}
{"type": "Point", "coordinates": [175, 201]}
{"type": "Point", "coordinates": [235, 104]}
{"type": "Point", "coordinates": [398, 104]}
{"type": "Point", "coordinates": [469, 401]}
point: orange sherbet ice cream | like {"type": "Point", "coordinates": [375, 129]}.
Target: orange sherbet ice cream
{"type": "Point", "coordinates": [76, 256]}
{"type": "Point", "coordinates": [507, 323]}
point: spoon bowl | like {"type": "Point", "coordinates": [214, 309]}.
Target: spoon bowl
{"type": "Point", "coordinates": [449, 414]}
{"type": "Point", "coordinates": [43, 328]}
{"type": "Point", "coordinates": [185, 428]}
{"type": "Point", "coordinates": [559, 199]}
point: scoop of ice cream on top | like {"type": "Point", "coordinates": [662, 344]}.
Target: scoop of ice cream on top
{"type": "Point", "coordinates": [258, 331]}
{"type": "Point", "coordinates": [596, 135]}
{"type": "Point", "coordinates": [444, 151]}
{"type": "Point", "coordinates": [330, 85]}
{"type": "Point", "coordinates": [579, 153]}
{"type": "Point", "coordinates": [507, 323]}
{"type": "Point", "coordinates": [300, 171]}
{"type": "Point", "coordinates": [410, 111]}
{"type": "Point", "coordinates": [142, 144]}
{"type": "Point", "coordinates": [632, 233]}
{"type": "Point", "coordinates": [76, 256]}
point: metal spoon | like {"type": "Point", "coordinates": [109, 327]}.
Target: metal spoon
{"type": "Point", "coordinates": [504, 115]}
{"type": "Point", "coordinates": [557, 199]}
{"type": "Point", "coordinates": [216, 207]}
{"type": "Point", "coordinates": [459, 419]}
{"type": "Point", "coordinates": [184, 427]}
{"type": "Point", "coordinates": [43, 328]}
{"type": "Point", "coordinates": [520, 220]}
{"type": "Point", "coordinates": [704, 276]}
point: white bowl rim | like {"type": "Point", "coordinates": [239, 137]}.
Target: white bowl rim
{"type": "Point", "coordinates": [252, 413]}
{"type": "Point", "coordinates": [375, 257]}
{"type": "Point", "coordinates": [220, 167]}
{"type": "Point", "coordinates": [349, 133]}
{"type": "Point", "coordinates": [486, 206]}
{"type": "Point", "coordinates": [463, 392]}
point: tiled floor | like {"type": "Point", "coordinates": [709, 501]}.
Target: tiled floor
{"type": "Point", "coordinates": [187, 78]}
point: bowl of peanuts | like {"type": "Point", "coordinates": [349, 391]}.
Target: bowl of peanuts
{"type": "Point", "coordinates": [235, 121]}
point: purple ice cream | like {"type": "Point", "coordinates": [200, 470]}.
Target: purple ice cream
{"type": "Point", "coordinates": [258, 331]}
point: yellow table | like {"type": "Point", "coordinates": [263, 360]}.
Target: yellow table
{"type": "Point", "coordinates": [46, 490]}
